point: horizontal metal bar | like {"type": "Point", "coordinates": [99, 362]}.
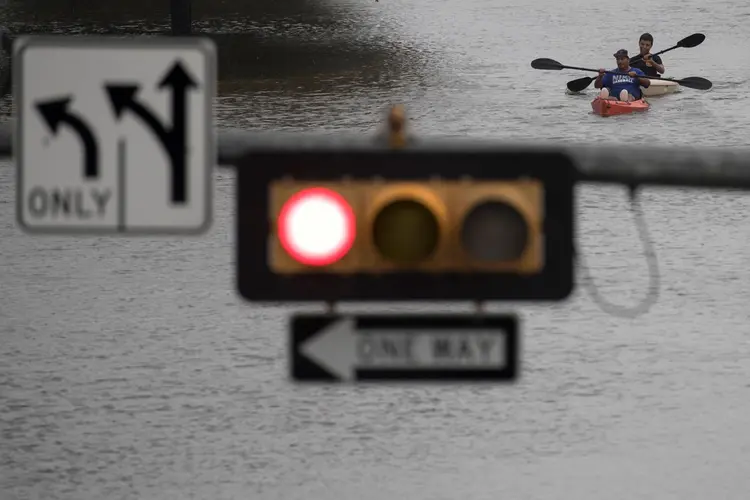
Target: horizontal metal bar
{"type": "Point", "coordinates": [686, 166]}
{"type": "Point", "coordinates": [678, 166]}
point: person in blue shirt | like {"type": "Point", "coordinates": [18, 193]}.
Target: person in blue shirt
{"type": "Point", "coordinates": [627, 85]}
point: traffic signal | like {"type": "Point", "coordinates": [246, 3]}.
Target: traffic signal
{"type": "Point", "coordinates": [405, 225]}
{"type": "Point", "coordinates": [376, 226]}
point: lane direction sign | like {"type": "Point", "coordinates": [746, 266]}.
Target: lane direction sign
{"type": "Point", "coordinates": [114, 135]}
{"type": "Point", "coordinates": [332, 348]}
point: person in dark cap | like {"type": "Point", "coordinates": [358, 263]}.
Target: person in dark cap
{"type": "Point", "coordinates": [625, 84]}
{"type": "Point", "coordinates": [644, 61]}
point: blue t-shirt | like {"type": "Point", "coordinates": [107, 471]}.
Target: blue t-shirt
{"type": "Point", "coordinates": [615, 83]}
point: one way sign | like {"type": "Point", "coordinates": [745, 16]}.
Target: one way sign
{"type": "Point", "coordinates": [114, 135]}
{"type": "Point", "coordinates": [328, 348]}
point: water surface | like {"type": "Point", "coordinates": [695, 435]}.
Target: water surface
{"type": "Point", "coordinates": [129, 368]}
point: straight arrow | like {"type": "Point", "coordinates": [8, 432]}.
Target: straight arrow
{"type": "Point", "coordinates": [55, 113]}
{"type": "Point", "coordinates": [179, 81]}
{"type": "Point", "coordinates": [343, 349]}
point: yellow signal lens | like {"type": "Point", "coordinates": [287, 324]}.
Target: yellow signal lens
{"type": "Point", "coordinates": [494, 231]}
{"type": "Point", "coordinates": [406, 231]}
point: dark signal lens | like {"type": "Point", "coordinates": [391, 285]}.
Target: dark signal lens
{"type": "Point", "coordinates": [406, 232]}
{"type": "Point", "coordinates": [494, 231]}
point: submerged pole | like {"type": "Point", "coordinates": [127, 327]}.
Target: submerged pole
{"type": "Point", "coordinates": [6, 62]}
{"type": "Point", "coordinates": [181, 16]}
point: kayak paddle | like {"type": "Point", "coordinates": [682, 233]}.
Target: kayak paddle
{"type": "Point", "coordinates": [688, 42]}
{"type": "Point", "coordinates": [692, 82]}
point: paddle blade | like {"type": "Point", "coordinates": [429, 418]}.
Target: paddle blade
{"type": "Point", "coordinates": [545, 63]}
{"type": "Point", "coordinates": [580, 84]}
{"type": "Point", "coordinates": [692, 41]}
{"type": "Point", "coordinates": [695, 82]}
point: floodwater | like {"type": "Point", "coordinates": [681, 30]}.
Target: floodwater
{"type": "Point", "coordinates": [130, 368]}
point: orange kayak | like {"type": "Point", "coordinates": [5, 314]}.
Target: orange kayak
{"type": "Point", "coordinates": [604, 107]}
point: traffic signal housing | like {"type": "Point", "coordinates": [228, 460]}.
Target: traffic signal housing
{"type": "Point", "coordinates": [376, 226]}
{"type": "Point", "coordinates": [405, 225]}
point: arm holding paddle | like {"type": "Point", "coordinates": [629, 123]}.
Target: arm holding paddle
{"type": "Point", "coordinates": [639, 75]}
{"type": "Point", "coordinates": [599, 82]}
{"type": "Point", "coordinates": [652, 61]}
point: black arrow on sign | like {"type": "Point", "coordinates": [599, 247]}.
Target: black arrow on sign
{"type": "Point", "coordinates": [174, 138]}
{"type": "Point", "coordinates": [55, 112]}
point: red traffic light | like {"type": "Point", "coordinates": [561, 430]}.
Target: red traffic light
{"type": "Point", "coordinates": [317, 227]}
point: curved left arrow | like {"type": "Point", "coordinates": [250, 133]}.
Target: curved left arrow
{"type": "Point", "coordinates": [55, 112]}
{"type": "Point", "coordinates": [173, 138]}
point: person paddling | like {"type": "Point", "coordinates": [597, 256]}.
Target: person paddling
{"type": "Point", "coordinates": [626, 86]}
{"type": "Point", "coordinates": [650, 65]}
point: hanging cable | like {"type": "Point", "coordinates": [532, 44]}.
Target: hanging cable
{"type": "Point", "coordinates": [652, 295]}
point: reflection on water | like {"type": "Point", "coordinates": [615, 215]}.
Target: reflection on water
{"type": "Point", "coordinates": [286, 65]}
{"type": "Point", "coordinates": [256, 40]}
{"type": "Point", "coordinates": [115, 12]}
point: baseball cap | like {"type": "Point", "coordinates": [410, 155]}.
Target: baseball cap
{"type": "Point", "coordinates": [621, 53]}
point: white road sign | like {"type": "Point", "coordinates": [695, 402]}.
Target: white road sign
{"type": "Point", "coordinates": [405, 348]}
{"type": "Point", "coordinates": [114, 135]}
